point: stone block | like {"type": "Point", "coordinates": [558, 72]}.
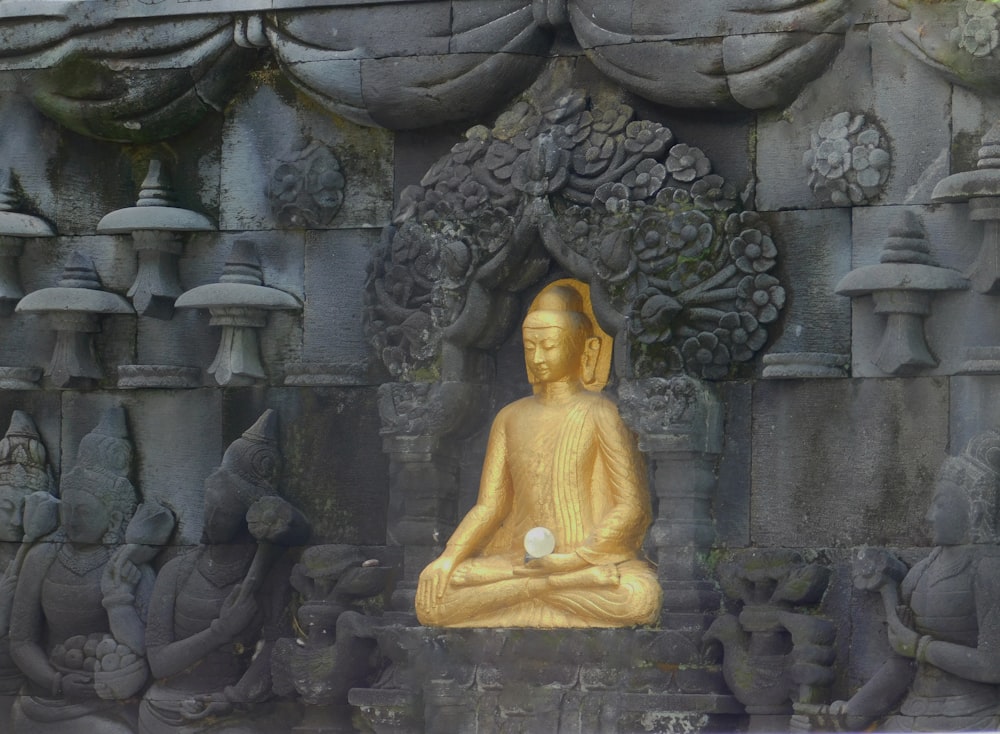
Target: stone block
{"type": "Point", "coordinates": [25, 340]}
{"type": "Point", "coordinates": [958, 320]}
{"type": "Point", "coordinates": [878, 11]}
{"type": "Point", "coordinates": [268, 130]}
{"type": "Point", "coordinates": [974, 408]}
{"type": "Point", "coordinates": [45, 409]}
{"type": "Point", "coordinates": [415, 151]}
{"type": "Point", "coordinates": [784, 137]}
{"type": "Point", "coordinates": [731, 508]}
{"type": "Point", "coordinates": [176, 444]}
{"type": "Point", "coordinates": [815, 251]}
{"type": "Point", "coordinates": [68, 179]}
{"type": "Point", "coordinates": [904, 93]}
{"type": "Point", "coordinates": [845, 462]}
{"type": "Point", "coordinates": [333, 317]}
{"type": "Point", "coordinates": [335, 471]}
{"type": "Point", "coordinates": [972, 115]}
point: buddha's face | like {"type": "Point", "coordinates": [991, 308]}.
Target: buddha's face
{"type": "Point", "coordinates": [11, 513]}
{"type": "Point", "coordinates": [84, 517]}
{"type": "Point", "coordinates": [949, 514]}
{"type": "Point", "coordinates": [551, 354]}
{"type": "Point", "coordinates": [225, 515]}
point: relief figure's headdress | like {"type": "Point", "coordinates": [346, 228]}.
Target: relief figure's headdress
{"type": "Point", "coordinates": [977, 472]}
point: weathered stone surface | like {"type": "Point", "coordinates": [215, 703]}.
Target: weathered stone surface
{"type": "Point", "coordinates": [731, 506]}
{"type": "Point", "coordinates": [783, 138]}
{"type": "Point", "coordinates": [268, 128]}
{"type": "Point", "coordinates": [324, 431]}
{"type": "Point", "coordinates": [904, 90]}
{"type": "Point", "coordinates": [952, 240]}
{"type": "Point", "coordinates": [816, 250]}
{"type": "Point", "coordinates": [845, 462]}
{"type": "Point", "coordinates": [178, 443]}
{"type": "Point", "coordinates": [335, 271]}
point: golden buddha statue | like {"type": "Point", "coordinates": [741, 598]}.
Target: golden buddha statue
{"type": "Point", "coordinates": [560, 459]}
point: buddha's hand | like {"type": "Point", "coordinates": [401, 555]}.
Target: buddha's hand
{"type": "Point", "coordinates": [434, 580]}
{"type": "Point", "coordinates": [554, 563]}
{"type": "Point", "coordinates": [237, 612]}
{"type": "Point", "coordinates": [902, 638]}
{"type": "Point", "coordinates": [77, 686]}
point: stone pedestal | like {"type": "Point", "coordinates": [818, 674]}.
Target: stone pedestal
{"type": "Point", "coordinates": [478, 681]}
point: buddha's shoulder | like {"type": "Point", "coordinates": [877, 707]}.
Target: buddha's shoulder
{"type": "Point", "coordinates": [596, 404]}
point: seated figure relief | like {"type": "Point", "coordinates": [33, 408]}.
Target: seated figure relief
{"type": "Point", "coordinates": [944, 618]}
{"type": "Point", "coordinates": [217, 611]}
{"type": "Point", "coordinates": [26, 486]}
{"type": "Point", "coordinates": [563, 460]}
{"type": "Point", "coordinates": [77, 628]}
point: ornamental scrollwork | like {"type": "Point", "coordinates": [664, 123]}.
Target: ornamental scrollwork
{"type": "Point", "coordinates": [676, 265]}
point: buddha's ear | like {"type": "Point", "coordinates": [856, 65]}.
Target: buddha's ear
{"type": "Point", "coordinates": [591, 351]}
{"type": "Point", "coordinates": [116, 520]}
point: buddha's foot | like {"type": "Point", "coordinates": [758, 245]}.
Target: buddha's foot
{"type": "Point", "coordinates": [606, 575]}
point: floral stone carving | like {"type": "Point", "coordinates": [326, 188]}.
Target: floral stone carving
{"type": "Point", "coordinates": [677, 268]}
{"type": "Point", "coordinates": [848, 162]}
{"type": "Point", "coordinates": [307, 189]}
{"type": "Point", "coordinates": [956, 38]}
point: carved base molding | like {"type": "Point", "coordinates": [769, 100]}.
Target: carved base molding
{"type": "Point", "coordinates": [564, 681]}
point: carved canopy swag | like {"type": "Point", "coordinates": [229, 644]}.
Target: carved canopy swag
{"type": "Point", "coordinates": [143, 70]}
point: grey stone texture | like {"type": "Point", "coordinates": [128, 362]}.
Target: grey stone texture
{"type": "Point", "coordinates": [845, 462]}
{"type": "Point", "coordinates": [821, 450]}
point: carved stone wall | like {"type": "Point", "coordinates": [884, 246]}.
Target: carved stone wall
{"type": "Point", "coordinates": [339, 211]}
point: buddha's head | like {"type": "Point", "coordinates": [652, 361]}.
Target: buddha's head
{"type": "Point", "coordinates": [560, 343]}
{"type": "Point", "coordinates": [249, 471]}
{"type": "Point", "coordinates": [23, 470]}
{"type": "Point", "coordinates": [98, 499]}
{"type": "Point", "coordinates": [964, 506]}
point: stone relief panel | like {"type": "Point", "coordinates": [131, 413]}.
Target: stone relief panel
{"type": "Point", "coordinates": [253, 107]}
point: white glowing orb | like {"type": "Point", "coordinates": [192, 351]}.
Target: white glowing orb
{"type": "Point", "coordinates": [539, 542]}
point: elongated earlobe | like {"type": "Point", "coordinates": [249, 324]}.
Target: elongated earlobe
{"type": "Point", "coordinates": [591, 351]}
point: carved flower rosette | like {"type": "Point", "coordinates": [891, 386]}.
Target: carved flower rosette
{"type": "Point", "coordinates": [675, 264]}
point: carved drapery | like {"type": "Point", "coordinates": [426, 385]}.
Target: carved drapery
{"type": "Point", "coordinates": [149, 71]}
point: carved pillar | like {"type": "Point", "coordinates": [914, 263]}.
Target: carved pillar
{"type": "Point", "coordinates": [680, 431]}
{"type": "Point", "coordinates": [421, 422]}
